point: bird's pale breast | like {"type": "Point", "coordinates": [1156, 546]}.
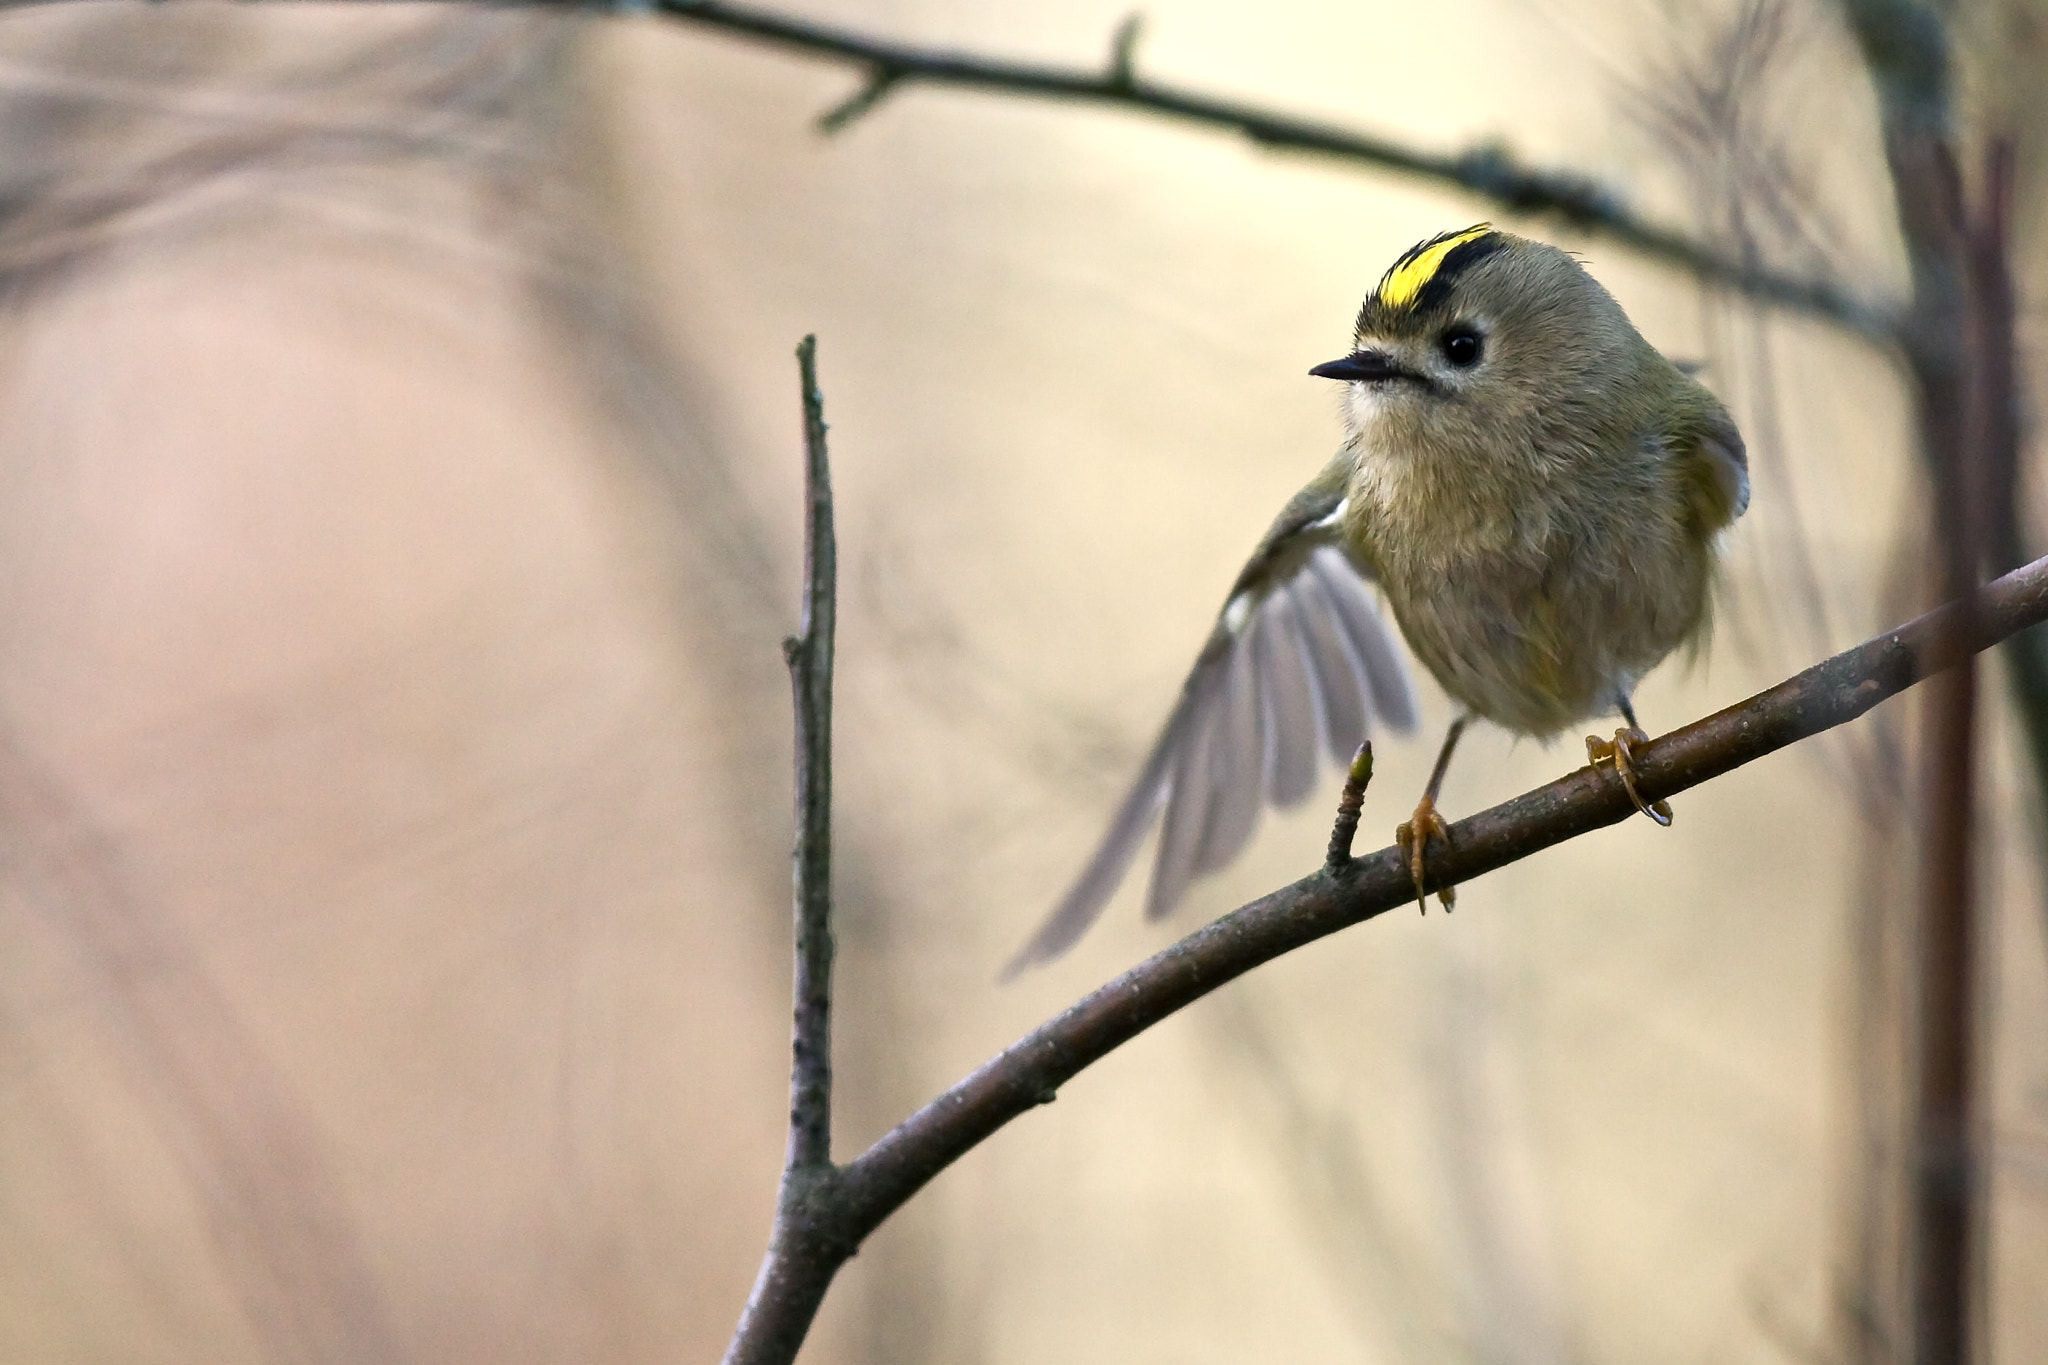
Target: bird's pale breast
{"type": "Point", "coordinates": [1531, 609]}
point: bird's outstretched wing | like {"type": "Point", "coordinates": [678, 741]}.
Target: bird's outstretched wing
{"type": "Point", "coordinates": [1300, 661]}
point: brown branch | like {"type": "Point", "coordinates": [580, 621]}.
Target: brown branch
{"type": "Point", "coordinates": [1957, 343]}
{"type": "Point", "coordinates": [1945, 1199]}
{"type": "Point", "coordinates": [1030, 1072]}
{"type": "Point", "coordinates": [1979, 465]}
{"type": "Point", "coordinates": [1488, 171]}
{"type": "Point", "coordinates": [2000, 437]}
{"type": "Point", "coordinates": [806, 1246]}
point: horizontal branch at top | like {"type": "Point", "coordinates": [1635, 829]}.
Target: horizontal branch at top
{"type": "Point", "coordinates": [1490, 171]}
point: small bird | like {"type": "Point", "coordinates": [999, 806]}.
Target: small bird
{"type": "Point", "coordinates": [1538, 494]}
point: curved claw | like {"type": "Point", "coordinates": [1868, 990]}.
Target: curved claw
{"type": "Point", "coordinates": [1619, 754]}
{"type": "Point", "coordinates": [1412, 838]}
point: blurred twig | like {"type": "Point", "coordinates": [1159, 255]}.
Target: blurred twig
{"type": "Point", "coordinates": [1712, 107]}
{"type": "Point", "coordinates": [1489, 171]}
{"type": "Point", "coordinates": [836, 1211]}
{"type": "Point", "coordinates": [282, 1236]}
{"type": "Point", "coordinates": [1956, 342]}
{"type": "Point", "coordinates": [1381, 1276]}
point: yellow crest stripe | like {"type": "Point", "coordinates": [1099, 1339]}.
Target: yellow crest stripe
{"type": "Point", "coordinates": [1414, 270]}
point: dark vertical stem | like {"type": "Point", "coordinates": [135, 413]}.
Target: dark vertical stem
{"type": "Point", "coordinates": [1976, 497]}
{"type": "Point", "coordinates": [1906, 45]}
{"type": "Point", "coordinates": [1998, 407]}
{"type": "Point", "coordinates": [1995, 364]}
{"type": "Point", "coordinates": [1942, 1203]}
{"type": "Point", "coordinates": [1958, 346]}
{"type": "Point", "coordinates": [810, 678]}
{"type": "Point", "coordinates": [1941, 1198]}
{"type": "Point", "coordinates": [1961, 430]}
{"type": "Point", "coordinates": [808, 1244]}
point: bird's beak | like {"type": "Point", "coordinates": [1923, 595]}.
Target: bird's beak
{"type": "Point", "coordinates": [1363, 365]}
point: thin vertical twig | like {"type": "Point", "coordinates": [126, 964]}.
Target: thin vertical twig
{"type": "Point", "coordinates": [810, 679]}
{"type": "Point", "coordinates": [1349, 804]}
{"type": "Point", "coordinates": [806, 1245]}
{"type": "Point", "coordinates": [1955, 427]}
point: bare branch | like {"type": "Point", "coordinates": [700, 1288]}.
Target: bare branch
{"type": "Point", "coordinates": [1489, 171]}
{"type": "Point", "coordinates": [806, 1246]}
{"type": "Point", "coordinates": [1030, 1072]}
{"type": "Point", "coordinates": [872, 92]}
{"type": "Point", "coordinates": [1947, 1217]}
{"type": "Point", "coordinates": [810, 679]}
{"type": "Point", "coordinates": [1123, 51]}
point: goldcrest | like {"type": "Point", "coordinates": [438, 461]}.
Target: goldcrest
{"type": "Point", "coordinates": [1538, 495]}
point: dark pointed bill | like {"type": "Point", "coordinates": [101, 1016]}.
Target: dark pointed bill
{"type": "Point", "coordinates": [1366, 365]}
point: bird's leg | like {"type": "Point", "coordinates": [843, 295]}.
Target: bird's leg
{"type": "Point", "coordinates": [1414, 836]}
{"type": "Point", "coordinates": [1618, 753]}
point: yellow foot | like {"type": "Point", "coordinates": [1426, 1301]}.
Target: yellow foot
{"type": "Point", "coordinates": [1617, 754]}
{"type": "Point", "coordinates": [1412, 838]}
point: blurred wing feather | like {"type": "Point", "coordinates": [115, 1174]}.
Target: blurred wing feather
{"type": "Point", "coordinates": [1339, 672]}
{"type": "Point", "coordinates": [1240, 735]}
{"type": "Point", "coordinates": [1300, 662]}
{"type": "Point", "coordinates": [1190, 792]}
{"type": "Point", "coordinates": [1293, 722]}
{"type": "Point", "coordinates": [1099, 880]}
{"type": "Point", "coordinates": [1383, 667]}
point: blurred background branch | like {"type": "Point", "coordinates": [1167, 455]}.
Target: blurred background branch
{"type": "Point", "coordinates": [1957, 345]}
{"type": "Point", "coordinates": [1491, 171]}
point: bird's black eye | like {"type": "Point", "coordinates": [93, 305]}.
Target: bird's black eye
{"type": "Point", "coordinates": [1461, 347]}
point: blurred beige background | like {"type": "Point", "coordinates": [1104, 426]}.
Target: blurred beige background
{"type": "Point", "coordinates": [400, 436]}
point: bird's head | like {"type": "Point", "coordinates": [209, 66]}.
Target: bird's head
{"type": "Point", "coordinates": [1478, 331]}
